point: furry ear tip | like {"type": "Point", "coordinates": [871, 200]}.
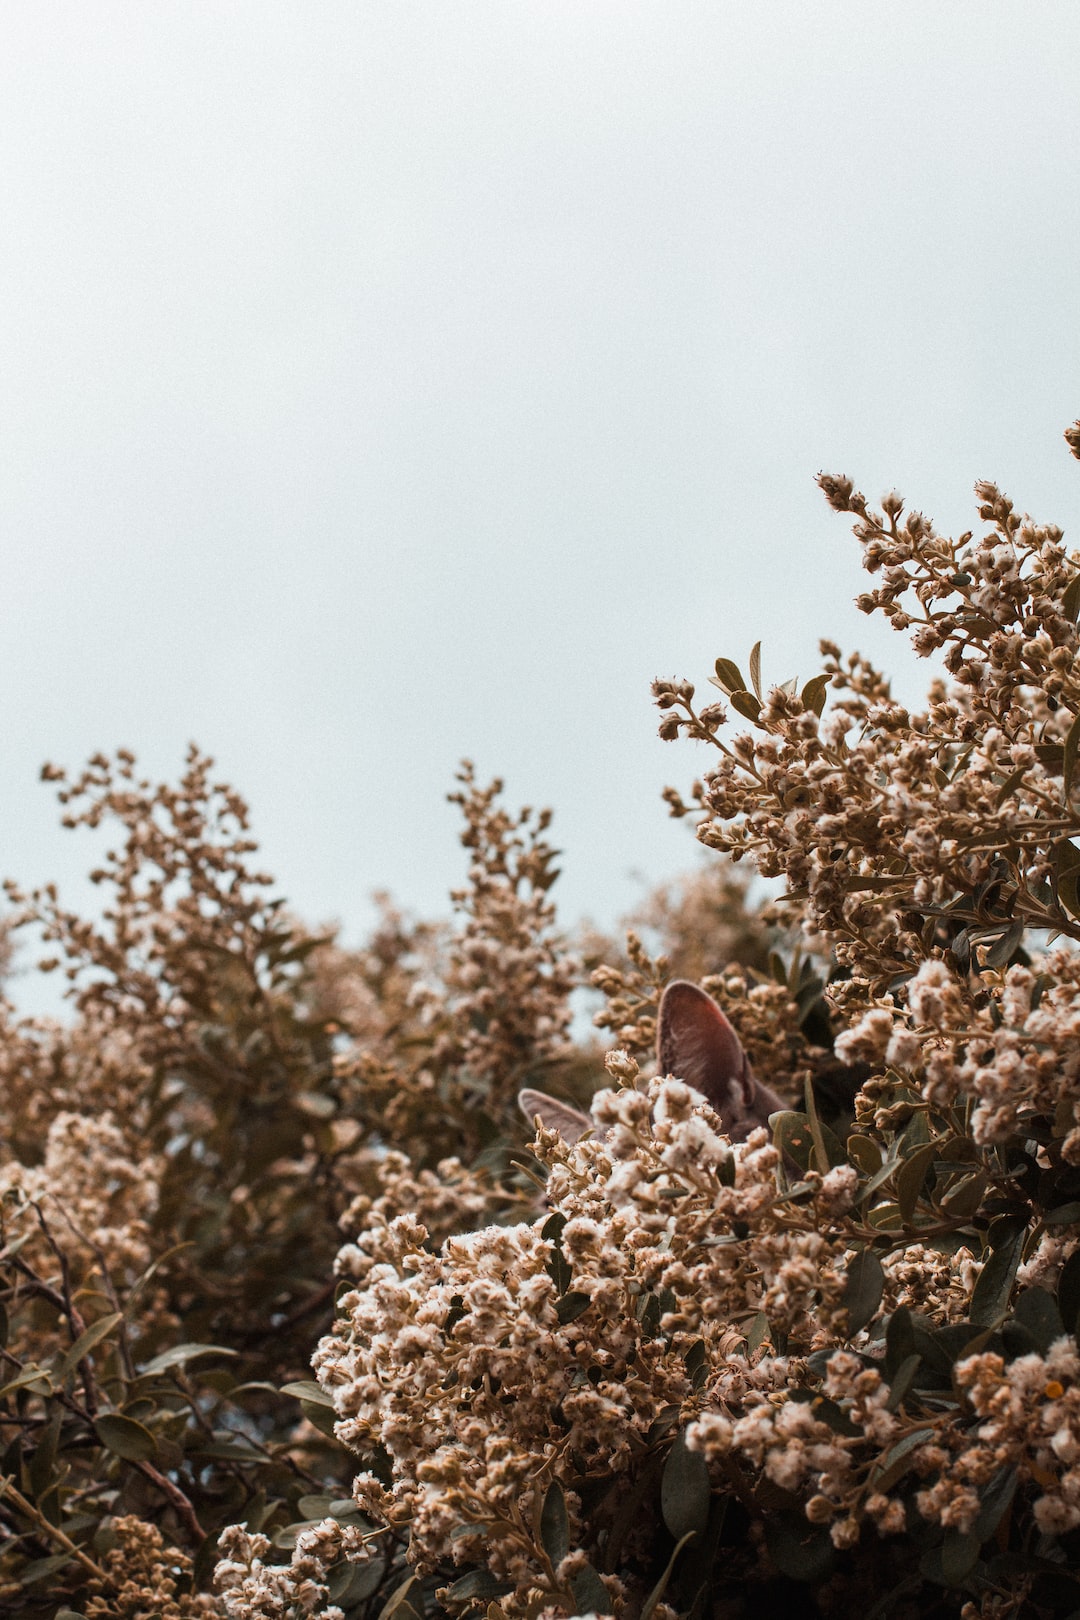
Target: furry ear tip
{"type": "Point", "coordinates": [553, 1114]}
{"type": "Point", "coordinates": [685, 994]}
{"type": "Point", "coordinates": [686, 1002]}
{"type": "Point", "coordinates": [679, 987]}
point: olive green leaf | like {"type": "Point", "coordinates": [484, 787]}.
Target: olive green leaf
{"type": "Point", "coordinates": [125, 1437]}
{"type": "Point", "coordinates": [684, 1490]}
{"type": "Point", "coordinates": [863, 1289]}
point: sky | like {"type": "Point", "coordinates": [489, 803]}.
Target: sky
{"type": "Point", "coordinates": [388, 383]}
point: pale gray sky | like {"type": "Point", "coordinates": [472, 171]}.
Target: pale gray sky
{"type": "Point", "coordinates": [383, 383]}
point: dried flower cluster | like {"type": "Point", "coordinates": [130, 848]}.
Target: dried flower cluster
{"type": "Point", "coordinates": [879, 1332]}
{"type": "Point", "coordinates": [647, 1373]}
{"type": "Point", "coordinates": [180, 1160]}
{"type": "Point", "coordinates": [519, 1356]}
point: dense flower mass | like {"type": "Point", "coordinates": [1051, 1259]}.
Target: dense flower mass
{"type": "Point", "coordinates": [801, 1308]}
{"type": "Point", "coordinates": [483, 1385]}
{"type": "Point", "coordinates": [633, 1367]}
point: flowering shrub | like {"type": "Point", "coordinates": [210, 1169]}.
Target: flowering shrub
{"type": "Point", "coordinates": [177, 1158]}
{"type": "Point", "coordinates": [845, 1362]}
{"type": "Point", "coordinates": [649, 1372]}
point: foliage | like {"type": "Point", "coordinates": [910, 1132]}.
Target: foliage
{"type": "Point", "coordinates": [841, 1364]}
{"type": "Point", "coordinates": [179, 1155]}
{"type": "Point", "coordinates": [647, 1373]}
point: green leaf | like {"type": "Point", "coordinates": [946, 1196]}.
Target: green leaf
{"type": "Point", "coordinates": [85, 1343]}
{"type": "Point", "coordinates": [590, 1593]}
{"type": "Point", "coordinates": [124, 1437]}
{"type": "Point", "coordinates": [554, 1524]}
{"type": "Point", "coordinates": [300, 953]}
{"type": "Point", "coordinates": [1006, 788]}
{"type": "Point", "coordinates": [910, 1179]}
{"type": "Point", "coordinates": [399, 1598]}
{"type": "Point", "coordinates": [1036, 1310]}
{"type": "Point", "coordinates": [43, 1462]}
{"type": "Point", "coordinates": [478, 1584]}
{"type": "Point", "coordinates": [825, 1411]}
{"type": "Point", "coordinates": [813, 693]}
{"type": "Point", "coordinates": [694, 1358]}
{"type": "Point", "coordinates": [572, 1305]}
{"type": "Point", "coordinates": [878, 1179]}
{"type": "Point", "coordinates": [801, 1551]}
{"type": "Point", "coordinates": [28, 1376]}
{"type": "Point", "coordinates": [181, 1354]}
{"type": "Point", "coordinates": [829, 1151]}
{"type": "Point", "coordinates": [306, 1389]}
{"type": "Point", "coordinates": [1070, 600]}
{"type": "Point", "coordinates": [898, 1460]}
{"type": "Point", "coordinates": [864, 1153]}
{"type": "Point", "coordinates": [649, 1315]}
{"type": "Point", "coordinates": [1072, 742]}
{"type": "Point", "coordinates": [314, 1507]}
{"type": "Point", "coordinates": [959, 1339]}
{"type": "Point", "coordinates": [990, 1297]}
{"type": "Point", "coordinates": [320, 1416]}
{"type": "Point", "coordinates": [746, 704]}
{"type": "Point", "coordinates": [755, 668]}
{"type": "Point", "coordinates": [30, 1574]}
{"type": "Point", "coordinates": [1004, 949]}
{"type": "Point", "coordinates": [938, 1348]}
{"type": "Point", "coordinates": [558, 1267]}
{"type": "Point", "coordinates": [684, 1490]}
{"type": "Point", "coordinates": [959, 1555]}
{"type": "Point", "coordinates": [901, 1383]}
{"type": "Point", "coordinates": [454, 1315]}
{"type": "Point", "coordinates": [899, 1341]}
{"type": "Point", "coordinates": [286, 1536]}
{"type": "Point", "coordinates": [757, 1333]}
{"type": "Point", "coordinates": [661, 1586]}
{"type": "Point", "coordinates": [917, 1129]}
{"type": "Point", "coordinates": [963, 1199]}
{"type": "Point", "coordinates": [863, 1289]}
{"type": "Point", "coordinates": [995, 1498]}
{"type": "Point", "coordinates": [792, 1135]}
{"type": "Point", "coordinates": [1063, 1215]}
{"type": "Point", "coordinates": [730, 676]}
{"type": "Point", "coordinates": [1066, 857]}
{"type": "Point", "coordinates": [349, 1584]}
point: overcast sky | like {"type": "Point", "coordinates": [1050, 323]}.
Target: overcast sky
{"type": "Point", "coordinates": [386, 383]}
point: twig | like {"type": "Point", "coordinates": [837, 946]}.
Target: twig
{"type": "Point", "coordinates": [52, 1531]}
{"type": "Point", "coordinates": [176, 1497]}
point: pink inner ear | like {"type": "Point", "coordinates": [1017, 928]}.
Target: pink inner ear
{"type": "Point", "coordinates": [695, 1042]}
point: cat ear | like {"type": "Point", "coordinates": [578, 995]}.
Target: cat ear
{"type": "Point", "coordinates": [553, 1114]}
{"type": "Point", "coordinates": [695, 1042]}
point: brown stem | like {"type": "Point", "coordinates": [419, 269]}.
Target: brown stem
{"type": "Point", "coordinates": [51, 1531]}
{"type": "Point", "coordinates": [176, 1498]}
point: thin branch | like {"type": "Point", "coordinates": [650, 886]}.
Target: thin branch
{"type": "Point", "coordinates": [177, 1500]}
{"type": "Point", "coordinates": [51, 1531]}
